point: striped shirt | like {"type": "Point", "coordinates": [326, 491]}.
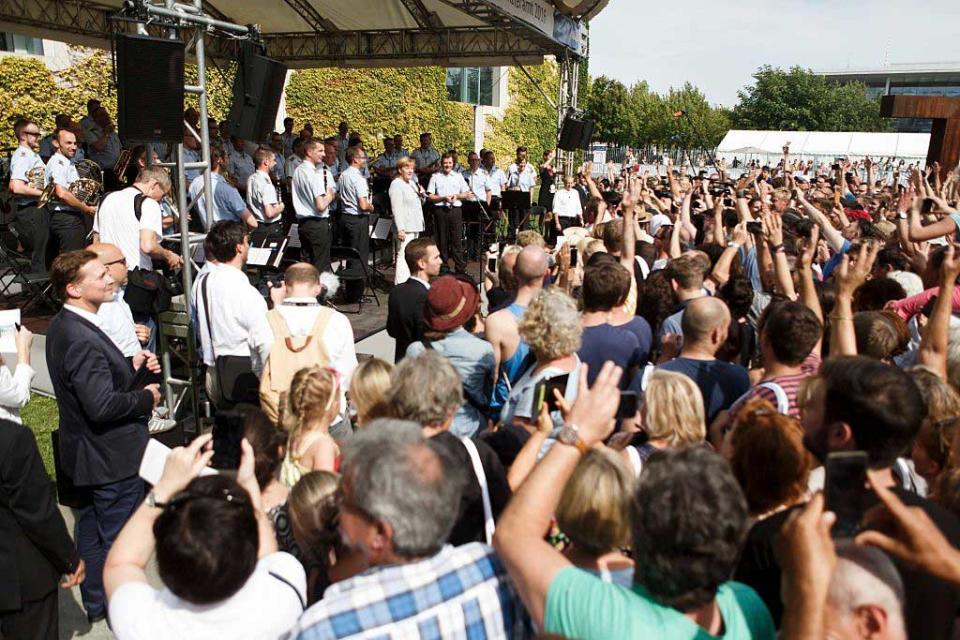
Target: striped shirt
{"type": "Point", "coordinates": [790, 385]}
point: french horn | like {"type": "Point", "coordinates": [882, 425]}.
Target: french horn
{"type": "Point", "coordinates": [37, 177]}
{"type": "Point", "coordinates": [120, 166]}
{"type": "Point", "coordinates": [86, 188]}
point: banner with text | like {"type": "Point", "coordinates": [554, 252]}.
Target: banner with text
{"type": "Point", "coordinates": [537, 13]}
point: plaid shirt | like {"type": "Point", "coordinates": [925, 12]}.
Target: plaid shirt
{"type": "Point", "coordinates": [461, 592]}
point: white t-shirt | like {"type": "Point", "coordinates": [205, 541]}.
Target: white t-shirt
{"type": "Point", "coordinates": [117, 223]}
{"type": "Point", "coordinates": [267, 606]}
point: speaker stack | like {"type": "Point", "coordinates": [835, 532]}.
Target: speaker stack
{"type": "Point", "coordinates": [575, 133]}
{"type": "Point", "coordinates": [149, 89]}
{"type": "Point", "coordinates": [257, 90]}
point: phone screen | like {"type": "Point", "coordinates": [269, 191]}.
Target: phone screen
{"type": "Point", "coordinates": [573, 256]}
{"type": "Point", "coordinates": [227, 434]}
{"type": "Point", "coordinates": [491, 264]}
{"type": "Point", "coordinates": [628, 405]}
{"type": "Point", "coordinates": [543, 392]}
{"type": "Point", "coordinates": [845, 490]}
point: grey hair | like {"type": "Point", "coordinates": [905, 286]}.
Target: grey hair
{"type": "Point", "coordinates": [551, 325]}
{"type": "Point", "coordinates": [154, 172]}
{"type": "Point", "coordinates": [425, 388]}
{"type": "Point", "coordinates": [863, 576]}
{"type": "Point", "coordinates": [394, 475]}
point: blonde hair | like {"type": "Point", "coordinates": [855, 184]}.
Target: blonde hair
{"type": "Point", "coordinates": [673, 409]}
{"type": "Point", "coordinates": [551, 325]}
{"type": "Point", "coordinates": [528, 237]}
{"type": "Point", "coordinates": [589, 246]}
{"type": "Point", "coordinates": [368, 388]}
{"type": "Point", "coordinates": [312, 506]}
{"type": "Point", "coordinates": [594, 508]}
{"type": "Point", "coordinates": [405, 162]}
{"type": "Point", "coordinates": [312, 396]}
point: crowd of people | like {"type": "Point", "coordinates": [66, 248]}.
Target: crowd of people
{"type": "Point", "coordinates": [625, 427]}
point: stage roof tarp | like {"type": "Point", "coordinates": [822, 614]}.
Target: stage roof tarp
{"type": "Point", "coordinates": [847, 144]}
{"type": "Point", "coordinates": [348, 33]}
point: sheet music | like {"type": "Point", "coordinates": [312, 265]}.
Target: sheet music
{"type": "Point", "coordinates": [382, 230]}
{"type": "Point", "coordinates": [258, 256]}
{"type": "Point", "coordinates": [155, 458]}
{"type": "Point", "coordinates": [294, 236]}
{"type": "Point", "coordinates": [9, 320]}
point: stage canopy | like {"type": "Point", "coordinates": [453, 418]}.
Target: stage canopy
{"type": "Point", "coordinates": [820, 144]}
{"type": "Point", "coordinates": [347, 33]}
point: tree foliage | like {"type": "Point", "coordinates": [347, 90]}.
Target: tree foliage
{"type": "Point", "coordinates": [379, 102]}
{"type": "Point", "coordinates": [800, 100]}
{"type": "Point", "coordinates": [610, 106]}
{"type": "Point", "coordinates": [529, 119]}
{"type": "Point", "coordinates": [29, 89]}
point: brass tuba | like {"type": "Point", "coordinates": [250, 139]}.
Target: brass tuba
{"type": "Point", "coordinates": [37, 177]}
{"type": "Point", "coordinates": [86, 188]}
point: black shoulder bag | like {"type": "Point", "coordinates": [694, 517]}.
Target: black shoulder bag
{"type": "Point", "coordinates": [235, 377]}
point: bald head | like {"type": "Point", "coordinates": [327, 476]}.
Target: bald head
{"type": "Point", "coordinates": [106, 252]}
{"type": "Point", "coordinates": [531, 265]}
{"type": "Point", "coordinates": [703, 317]}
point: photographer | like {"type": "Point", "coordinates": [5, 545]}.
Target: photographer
{"type": "Point", "coordinates": [223, 581]}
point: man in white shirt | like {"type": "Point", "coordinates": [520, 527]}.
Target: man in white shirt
{"type": "Point", "coordinates": [228, 204]}
{"type": "Point", "coordinates": [566, 206]}
{"type": "Point", "coordinates": [446, 190]}
{"type": "Point", "coordinates": [313, 191]}
{"type": "Point", "coordinates": [496, 180]}
{"type": "Point", "coordinates": [262, 199]}
{"type": "Point", "coordinates": [240, 164]}
{"type": "Point", "coordinates": [32, 223]}
{"type": "Point", "coordinates": [231, 314]}
{"type": "Point", "coordinates": [355, 203]}
{"type": "Point", "coordinates": [520, 180]}
{"type": "Point", "coordinates": [297, 302]}
{"type": "Point", "coordinates": [137, 231]}
{"type": "Point", "coordinates": [293, 161]}
{"type": "Point", "coordinates": [67, 212]}
{"type": "Point", "coordinates": [229, 581]}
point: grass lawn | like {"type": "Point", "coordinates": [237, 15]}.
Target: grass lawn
{"type": "Point", "coordinates": [41, 416]}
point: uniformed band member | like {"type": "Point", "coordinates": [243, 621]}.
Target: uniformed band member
{"type": "Point", "coordinates": [476, 208]}
{"type": "Point", "coordinates": [288, 136]}
{"type": "Point", "coordinates": [227, 201]}
{"type": "Point", "coordinates": [355, 203]}
{"type": "Point", "coordinates": [385, 166]}
{"type": "Point", "coordinates": [240, 164]}
{"type": "Point", "coordinates": [446, 190]}
{"type": "Point", "coordinates": [426, 157]}
{"type": "Point", "coordinates": [32, 223]}
{"type": "Point", "coordinates": [61, 121]}
{"type": "Point", "coordinates": [343, 141]}
{"type": "Point", "coordinates": [103, 146]}
{"type": "Point", "coordinates": [496, 181]}
{"type": "Point", "coordinates": [66, 211]}
{"type": "Point", "coordinates": [262, 199]}
{"type": "Point", "coordinates": [520, 178]}
{"type": "Point", "coordinates": [314, 190]}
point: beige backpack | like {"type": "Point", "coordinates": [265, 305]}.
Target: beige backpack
{"type": "Point", "coordinates": [288, 355]}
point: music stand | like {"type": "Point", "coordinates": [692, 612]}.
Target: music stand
{"type": "Point", "coordinates": [518, 201]}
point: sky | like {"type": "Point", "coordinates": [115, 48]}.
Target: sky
{"type": "Point", "coordinates": [718, 44]}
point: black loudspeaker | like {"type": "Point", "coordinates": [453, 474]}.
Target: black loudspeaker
{"type": "Point", "coordinates": [256, 95]}
{"type": "Point", "coordinates": [575, 133]}
{"type": "Point", "coordinates": [149, 89]}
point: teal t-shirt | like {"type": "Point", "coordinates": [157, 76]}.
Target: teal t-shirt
{"type": "Point", "coordinates": [580, 605]}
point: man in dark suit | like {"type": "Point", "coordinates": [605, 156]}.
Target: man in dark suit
{"type": "Point", "coordinates": [35, 548]}
{"type": "Point", "coordinates": [103, 416]}
{"type": "Point", "coordinates": [405, 305]}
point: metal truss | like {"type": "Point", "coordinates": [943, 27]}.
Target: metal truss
{"type": "Point", "coordinates": [311, 16]}
{"type": "Point", "coordinates": [72, 16]}
{"type": "Point", "coordinates": [400, 47]}
{"type": "Point", "coordinates": [425, 19]}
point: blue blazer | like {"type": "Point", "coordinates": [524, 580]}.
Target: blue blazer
{"type": "Point", "coordinates": [103, 423]}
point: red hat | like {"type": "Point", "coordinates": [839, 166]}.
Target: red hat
{"type": "Point", "coordinates": [450, 303]}
{"type": "Point", "coordinates": [858, 214]}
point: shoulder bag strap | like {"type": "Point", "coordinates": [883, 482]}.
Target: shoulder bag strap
{"type": "Point", "coordinates": [206, 309]}
{"type": "Point", "coordinates": [635, 460]}
{"type": "Point", "coordinates": [783, 402]}
{"type": "Point", "coordinates": [138, 205]}
{"type": "Point", "coordinates": [488, 524]}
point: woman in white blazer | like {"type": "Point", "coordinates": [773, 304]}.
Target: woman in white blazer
{"type": "Point", "coordinates": [406, 201]}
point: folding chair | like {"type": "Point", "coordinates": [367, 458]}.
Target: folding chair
{"type": "Point", "coordinates": [34, 288]}
{"type": "Point", "coordinates": [348, 275]}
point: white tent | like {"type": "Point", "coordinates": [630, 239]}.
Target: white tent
{"type": "Point", "coordinates": [767, 146]}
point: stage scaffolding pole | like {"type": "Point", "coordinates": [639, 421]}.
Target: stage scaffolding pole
{"type": "Point", "coordinates": [180, 323]}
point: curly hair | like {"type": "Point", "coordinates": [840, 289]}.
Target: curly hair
{"type": "Point", "coordinates": [312, 505]}
{"type": "Point", "coordinates": [689, 520]}
{"type": "Point", "coordinates": [551, 325]}
{"type": "Point", "coordinates": [656, 299]}
{"type": "Point", "coordinates": [761, 433]}
{"type": "Point", "coordinates": [313, 395]}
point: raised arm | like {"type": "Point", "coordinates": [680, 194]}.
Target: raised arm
{"type": "Point", "coordinates": [936, 335]}
{"type": "Point", "coordinates": [833, 237]}
{"type": "Point", "coordinates": [843, 337]}
{"type": "Point", "coordinates": [773, 233]}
